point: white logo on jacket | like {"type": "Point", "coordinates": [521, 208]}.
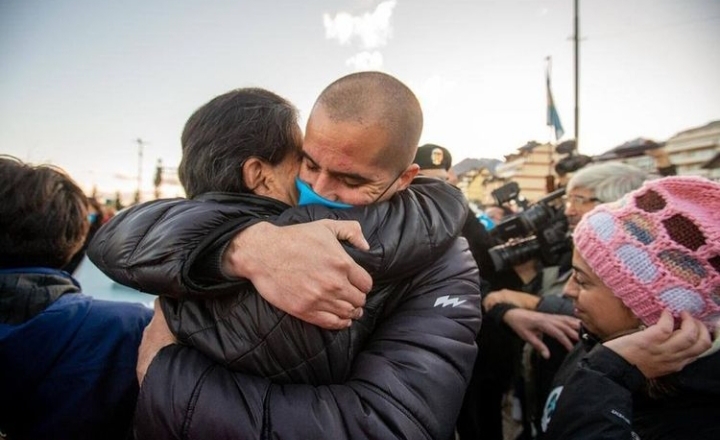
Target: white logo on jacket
{"type": "Point", "coordinates": [446, 301]}
{"type": "Point", "coordinates": [550, 405]}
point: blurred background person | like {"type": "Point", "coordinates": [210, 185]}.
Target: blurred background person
{"type": "Point", "coordinates": [68, 360]}
{"type": "Point", "coordinates": [497, 213]}
{"type": "Point", "coordinates": [95, 218]}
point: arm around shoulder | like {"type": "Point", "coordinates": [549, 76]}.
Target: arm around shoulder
{"type": "Point", "coordinates": [150, 247]}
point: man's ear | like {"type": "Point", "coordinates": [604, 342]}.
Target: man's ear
{"type": "Point", "coordinates": [407, 176]}
{"type": "Point", "coordinates": [253, 173]}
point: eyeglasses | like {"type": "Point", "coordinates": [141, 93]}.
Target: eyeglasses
{"type": "Point", "coordinates": [576, 200]}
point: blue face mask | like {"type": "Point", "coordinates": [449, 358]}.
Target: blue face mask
{"type": "Point", "coordinates": [306, 196]}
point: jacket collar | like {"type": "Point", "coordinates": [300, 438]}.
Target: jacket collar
{"type": "Point", "coordinates": [272, 206]}
{"type": "Point", "coordinates": [28, 291]}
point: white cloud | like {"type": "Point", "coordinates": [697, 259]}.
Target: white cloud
{"type": "Point", "coordinates": [339, 28]}
{"type": "Point", "coordinates": [372, 29]}
{"type": "Point", "coordinates": [433, 91]}
{"type": "Point", "coordinates": [366, 61]}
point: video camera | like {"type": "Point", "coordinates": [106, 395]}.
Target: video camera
{"type": "Point", "coordinates": [573, 161]}
{"type": "Point", "coordinates": [540, 230]}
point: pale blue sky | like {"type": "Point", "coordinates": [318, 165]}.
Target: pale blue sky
{"type": "Point", "coordinates": [81, 79]}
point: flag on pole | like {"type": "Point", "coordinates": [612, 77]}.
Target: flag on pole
{"type": "Point", "coordinates": [553, 119]}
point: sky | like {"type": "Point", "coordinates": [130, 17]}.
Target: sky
{"type": "Point", "coordinates": [82, 80]}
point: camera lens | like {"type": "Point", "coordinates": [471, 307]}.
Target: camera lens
{"type": "Point", "coordinates": [507, 255]}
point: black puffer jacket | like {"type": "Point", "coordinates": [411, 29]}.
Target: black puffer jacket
{"type": "Point", "coordinates": [408, 380]}
{"type": "Point", "coordinates": [241, 330]}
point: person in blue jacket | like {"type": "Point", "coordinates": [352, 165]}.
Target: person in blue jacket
{"type": "Point", "coordinates": [68, 360]}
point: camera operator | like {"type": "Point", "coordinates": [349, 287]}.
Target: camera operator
{"type": "Point", "coordinates": [529, 246]}
{"type": "Point", "coordinates": [530, 316]}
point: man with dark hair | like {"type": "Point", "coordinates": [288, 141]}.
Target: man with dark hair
{"type": "Point", "coordinates": [234, 115]}
{"type": "Point", "coordinates": [68, 361]}
{"type": "Point", "coordinates": [409, 376]}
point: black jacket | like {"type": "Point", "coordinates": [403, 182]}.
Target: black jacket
{"type": "Point", "coordinates": [402, 235]}
{"type": "Point", "coordinates": [599, 395]}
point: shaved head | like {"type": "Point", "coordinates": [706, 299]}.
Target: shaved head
{"type": "Point", "coordinates": [377, 100]}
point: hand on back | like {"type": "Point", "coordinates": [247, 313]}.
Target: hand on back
{"type": "Point", "coordinates": [303, 269]}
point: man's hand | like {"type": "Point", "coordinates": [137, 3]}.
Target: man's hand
{"type": "Point", "coordinates": [519, 299]}
{"type": "Point", "coordinates": [155, 336]}
{"type": "Point", "coordinates": [531, 325]}
{"type": "Point", "coordinates": [303, 270]}
{"type": "Point", "coordinates": [659, 349]}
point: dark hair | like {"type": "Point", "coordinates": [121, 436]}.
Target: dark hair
{"type": "Point", "coordinates": [379, 99]}
{"type": "Point", "coordinates": [43, 215]}
{"type": "Point", "coordinates": [222, 134]}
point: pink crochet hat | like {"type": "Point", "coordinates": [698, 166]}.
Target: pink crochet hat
{"type": "Point", "coordinates": [659, 248]}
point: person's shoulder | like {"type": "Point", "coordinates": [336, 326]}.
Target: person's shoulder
{"type": "Point", "coordinates": [120, 311]}
{"type": "Point", "coordinates": [455, 265]}
{"type": "Point", "coordinates": [423, 187]}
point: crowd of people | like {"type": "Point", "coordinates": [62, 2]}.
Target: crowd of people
{"type": "Point", "coordinates": [336, 284]}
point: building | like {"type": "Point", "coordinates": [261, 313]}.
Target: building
{"type": "Point", "coordinates": [471, 174]}
{"type": "Point", "coordinates": [695, 151]}
{"type": "Point", "coordinates": [529, 167]}
{"type": "Point", "coordinates": [692, 151]}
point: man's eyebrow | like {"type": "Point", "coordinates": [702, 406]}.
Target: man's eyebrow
{"type": "Point", "coordinates": [340, 174]}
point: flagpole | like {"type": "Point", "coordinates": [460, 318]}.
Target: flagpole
{"type": "Point", "coordinates": [577, 77]}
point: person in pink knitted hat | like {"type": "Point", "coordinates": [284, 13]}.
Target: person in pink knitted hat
{"type": "Point", "coordinates": [646, 286]}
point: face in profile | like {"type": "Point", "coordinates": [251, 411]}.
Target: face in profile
{"type": "Point", "coordinates": [601, 312]}
{"type": "Point", "coordinates": [283, 181]}
{"type": "Point", "coordinates": [578, 202]}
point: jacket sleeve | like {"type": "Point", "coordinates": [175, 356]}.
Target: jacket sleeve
{"type": "Point", "coordinates": [154, 248]}
{"type": "Point", "coordinates": [146, 246]}
{"type": "Point", "coordinates": [408, 381]}
{"type": "Point", "coordinates": [556, 304]}
{"type": "Point", "coordinates": [596, 402]}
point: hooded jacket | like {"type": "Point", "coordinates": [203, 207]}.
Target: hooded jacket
{"type": "Point", "coordinates": [68, 360]}
{"type": "Point", "coordinates": [421, 320]}
{"type": "Point", "coordinates": [598, 395]}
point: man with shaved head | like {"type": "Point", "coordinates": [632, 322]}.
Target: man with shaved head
{"type": "Point", "coordinates": [361, 139]}
{"type": "Point", "coordinates": [410, 374]}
